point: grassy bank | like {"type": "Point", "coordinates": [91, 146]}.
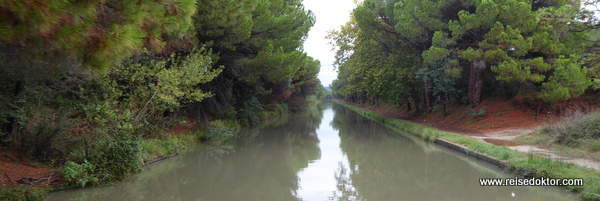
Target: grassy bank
{"type": "Point", "coordinates": [516, 162]}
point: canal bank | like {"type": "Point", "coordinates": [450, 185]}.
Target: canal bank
{"type": "Point", "coordinates": [518, 163]}
{"type": "Point", "coordinates": [327, 153]}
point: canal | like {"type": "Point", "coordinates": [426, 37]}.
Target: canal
{"type": "Point", "coordinates": [324, 153]}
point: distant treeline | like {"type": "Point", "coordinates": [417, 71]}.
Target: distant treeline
{"type": "Point", "coordinates": [426, 53]}
{"type": "Point", "coordinates": [75, 73]}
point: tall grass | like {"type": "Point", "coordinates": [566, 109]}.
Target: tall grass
{"type": "Point", "coordinates": [575, 128]}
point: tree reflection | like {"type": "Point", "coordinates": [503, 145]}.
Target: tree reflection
{"type": "Point", "coordinates": [388, 166]}
{"type": "Point", "coordinates": [345, 190]}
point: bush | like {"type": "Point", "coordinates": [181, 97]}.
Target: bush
{"type": "Point", "coordinates": [574, 128]}
{"type": "Point", "coordinates": [37, 141]}
{"type": "Point", "coordinates": [118, 158]}
{"type": "Point", "coordinates": [476, 114]}
{"type": "Point", "coordinates": [110, 159]}
{"type": "Point", "coordinates": [82, 175]}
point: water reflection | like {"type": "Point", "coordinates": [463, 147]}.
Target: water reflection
{"type": "Point", "coordinates": [323, 153]}
{"type": "Point", "coordinates": [344, 188]}
{"type": "Point", "coordinates": [391, 167]}
{"type": "Point", "coordinates": [317, 181]}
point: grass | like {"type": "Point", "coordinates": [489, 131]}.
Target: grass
{"type": "Point", "coordinates": [516, 161]}
{"type": "Point", "coordinates": [177, 143]}
{"type": "Point", "coordinates": [576, 134]}
{"type": "Point", "coordinates": [169, 144]}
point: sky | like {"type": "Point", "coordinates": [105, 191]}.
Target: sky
{"type": "Point", "coordinates": [330, 14]}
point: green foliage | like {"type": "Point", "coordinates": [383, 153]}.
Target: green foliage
{"type": "Point", "coordinates": [109, 160]}
{"type": "Point", "coordinates": [479, 113]}
{"type": "Point", "coordinates": [155, 60]}
{"type": "Point", "coordinates": [260, 43]}
{"type": "Point", "coordinates": [272, 65]}
{"type": "Point", "coordinates": [248, 113]}
{"type": "Point", "coordinates": [81, 175]}
{"type": "Point", "coordinates": [377, 65]}
{"type": "Point", "coordinates": [168, 144]}
{"type": "Point", "coordinates": [98, 33]}
{"type": "Point", "coordinates": [118, 157]}
{"type": "Point", "coordinates": [569, 80]}
{"type": "Point", "coordinates": [22, 193]}
{"type": "Point", "coordinates": [165, 84]}
{"type": "Point", "coordinates": [481, 41]}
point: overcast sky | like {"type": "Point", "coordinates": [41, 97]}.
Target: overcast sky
{"type": "Point", "coordinates": [330, 14]}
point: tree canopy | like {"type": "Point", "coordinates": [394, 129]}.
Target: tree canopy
{"type": "Point", "coordinates": [459, 52]}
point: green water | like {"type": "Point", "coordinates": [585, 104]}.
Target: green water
{"type": "Point", "coordinates": [324, 153]}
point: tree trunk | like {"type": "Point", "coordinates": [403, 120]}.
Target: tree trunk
{"type": "Point", "coordinates": [427, 96]}
{"type": "Point", "coordinates": [416, 97]}
{"type": "Point", "coordinates": [444, 109]}
{"type": "Point", "coordinates": [476, 82]}
{"type": "Point", "coordinates": [539, 108]}
{"type": "Point", "coordinates": [446, 101]}
{"type": "Point", "coordinates": [13, 121]}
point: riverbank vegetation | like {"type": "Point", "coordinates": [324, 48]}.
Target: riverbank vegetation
{"type": "Point", "coordinates": [100, 86]}
{"type": "Point", "coordinates": [517, 162]}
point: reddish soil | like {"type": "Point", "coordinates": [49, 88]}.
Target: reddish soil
{"type": "Point", "coordinates": [16, 170]}
{"type": "Point", "coordinates": [500, 115]}
{"type": "Point", "coordinates": [189, 126]}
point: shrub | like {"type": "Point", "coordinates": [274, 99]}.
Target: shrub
{"type": "Point", "coordinates": [110, 159]}
{"type": "Point", "coordinates": [37, 141]}
{"type": "Point", "coordinates": [81, 175]}
{"type": "Point", "coordinates": [22, 193]}
{"type": "Point", "coordinates": [479, 113]}
{"type": "Point", "coordinates": [118, 157]}
{"type": "Point", "coordinates": [574, 128]}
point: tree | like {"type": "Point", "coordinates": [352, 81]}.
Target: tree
{"type": "Point", "coordinates": [510, 37]}
{"type": "Point", "coordinates": [373, 62]}
{"type": "Point", "coordinates": [97, 33]}
{"type": "Point", "coordinates": [260, 44]}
